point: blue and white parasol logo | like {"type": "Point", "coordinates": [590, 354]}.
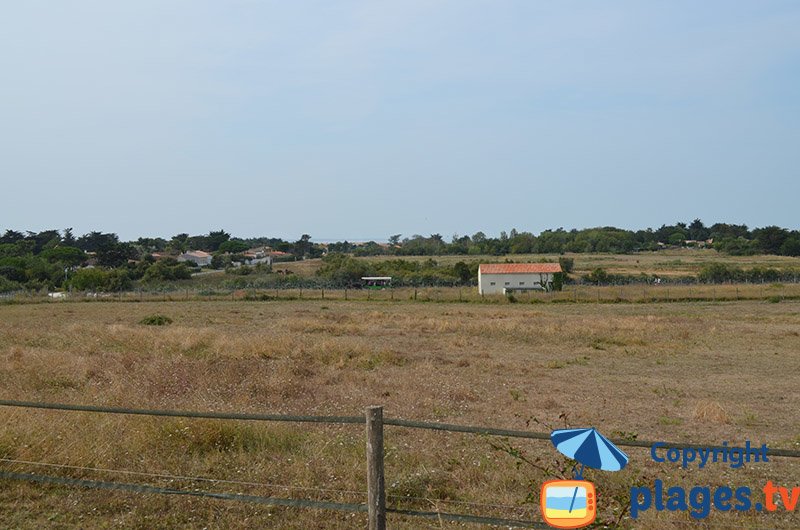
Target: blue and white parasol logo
{"type": "Point", "coordinates": [589, 448]}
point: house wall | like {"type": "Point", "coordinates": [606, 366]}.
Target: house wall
{"type": "Point", "coordinates": [199, 261]}
{"type": "Point", "coordinates": [511, 281]}
{"type": "Point", "coordinates": [256, 261]}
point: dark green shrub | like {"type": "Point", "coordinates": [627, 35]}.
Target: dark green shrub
{"type": "Point", "coordinates": [156, 320]}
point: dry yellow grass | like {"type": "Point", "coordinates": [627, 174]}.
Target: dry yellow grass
{"type": "Point", "coordinates": [702, 372]}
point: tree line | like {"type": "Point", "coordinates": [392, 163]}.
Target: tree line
{"type": "Point", "coordinates": [59, 258]}
{"type": "Point", "coordinates": [729, 238]}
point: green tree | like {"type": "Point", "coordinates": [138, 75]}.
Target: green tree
{"type": "Point", "coordinates": [463, 272]}
{"type": "Point", "coordinates": [167, 269]}
{"type": "Point", "coordinates": [233, 246]}
{"type": "Point", "coordinates": [67, 238]}
{"type": "Point", "coordinates": [770, 238]}
{"type": "Point", "coordinates": [598, 276]}
{"type": "Point", "coordinates": [342, 269]}
{"type": "Point", "coordinates": [93, 241]}
{"type": "Point", "coordinates": [791, 247]}
{"type": "Point", "coordinates": [70, 256]}
{"type": "Point", "coordinates": [302, 247]}
{"type": "Point", "coordinates": [558, 281]}
{"type": "Point", "coordinates": [215, 239]}
{"type": "Point", "coordinates": [179, 243]}
{"type": "Point", "coordinates": [96, 279]}
{"type": "Point", "coordinates": [698, 231]}
{"type": "Point", "coordinates": [115, 254]}
{"type": "Point", "coordinates": [677, 238]}
{"type": "Point", "coordinates": [11, 236]}
{"type": "Point", "coordinates": [719, 272]}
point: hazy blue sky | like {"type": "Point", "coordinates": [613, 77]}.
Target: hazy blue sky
{"type": "Point", "coordinates": [364, 119]}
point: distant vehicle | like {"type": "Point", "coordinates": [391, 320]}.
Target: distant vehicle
{"type": "Point", "coordinates": [376, 282]}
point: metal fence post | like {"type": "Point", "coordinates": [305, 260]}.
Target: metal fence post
{"type": "Point", "coordinates": [376, 494]}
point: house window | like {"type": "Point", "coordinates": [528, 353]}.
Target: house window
{"type": "Point", "coordinates": [491, 283]}
{"type": "Point", "coordinates": [508, 283]}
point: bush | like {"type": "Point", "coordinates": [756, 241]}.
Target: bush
{"type": "Point", "coordinates": [7, 285]}
{"type": "Point", "coordinates": [719, 272]}
{"type": "Point", "coordinates": [156, 320]}
{"type": "Point", "coordinates": [598, 276]}
{"type": "Point", "coordinates": [242, 270]}
{"type": "Point", "coordinates": [167, 269]}
{"type": "Point", "coordinates": [558, 281]}
{"type": "Point", "coordinates": [94, 279]}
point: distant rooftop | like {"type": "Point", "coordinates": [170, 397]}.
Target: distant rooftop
{"type": "Point", "coordinates": [520, 268]}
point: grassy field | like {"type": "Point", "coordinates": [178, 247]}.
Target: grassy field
{"type": "Point", "coordinates": [665, 263]}
{"type": "Point", "coordinates": [700, 372]}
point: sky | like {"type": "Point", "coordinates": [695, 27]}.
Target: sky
{"type": "Point", "coordinates": [359, 120]}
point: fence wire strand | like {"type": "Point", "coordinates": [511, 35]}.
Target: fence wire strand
{"type": "Point", "coordinates": [272, 501]}
{"type": "Point", "coordinates": [449, 427]}
{"type": "Point", "coordinates": [188, 478]}
{"type": "Point", "coordinates": [167, 476]}
{"type": "Point", "coordinates": [298, 503]}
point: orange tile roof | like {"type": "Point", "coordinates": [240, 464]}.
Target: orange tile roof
{"type": "Point", "coordinates": [519, 268]}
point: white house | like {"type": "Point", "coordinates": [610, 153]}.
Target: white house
{"type": "Point", "coordinates": [501, 278]}
{"type": "Point", "coordinates": [254, 256]}
{"type": "Point", "coordinates": [198, 257]}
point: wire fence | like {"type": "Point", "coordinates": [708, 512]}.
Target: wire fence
{"type": "Point", "coordinates": [287, 501]}
{"type": "Point", "coordinates": [572, 293]}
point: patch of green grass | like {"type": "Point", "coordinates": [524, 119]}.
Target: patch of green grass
{"type": "Point", "coordinates": [750, 419]}
{"type": "Point", "coordinates": [58, 382]}
{"type": "Point", "coordinates": [577, 361]}
{"type": "Point", "coordinates": [625, 435]}
{"type": "Point", "coordinates": [422, 485]}
{"type": "Point", "coordinates": [204, 437]}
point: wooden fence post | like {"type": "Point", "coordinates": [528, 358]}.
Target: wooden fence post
{"type": "Point", "coordinates": [376, 494]}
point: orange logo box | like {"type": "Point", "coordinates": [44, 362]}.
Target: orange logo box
{"type": "Point", "coordinates": [568, 503]}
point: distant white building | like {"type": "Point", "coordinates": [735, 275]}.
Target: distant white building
{"type": "Point", "coordinates": [254, 256]}
{"type": "Point", "coordinates": [198, 257]}
{"type": "Point", "coordinates": [501, 278]}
